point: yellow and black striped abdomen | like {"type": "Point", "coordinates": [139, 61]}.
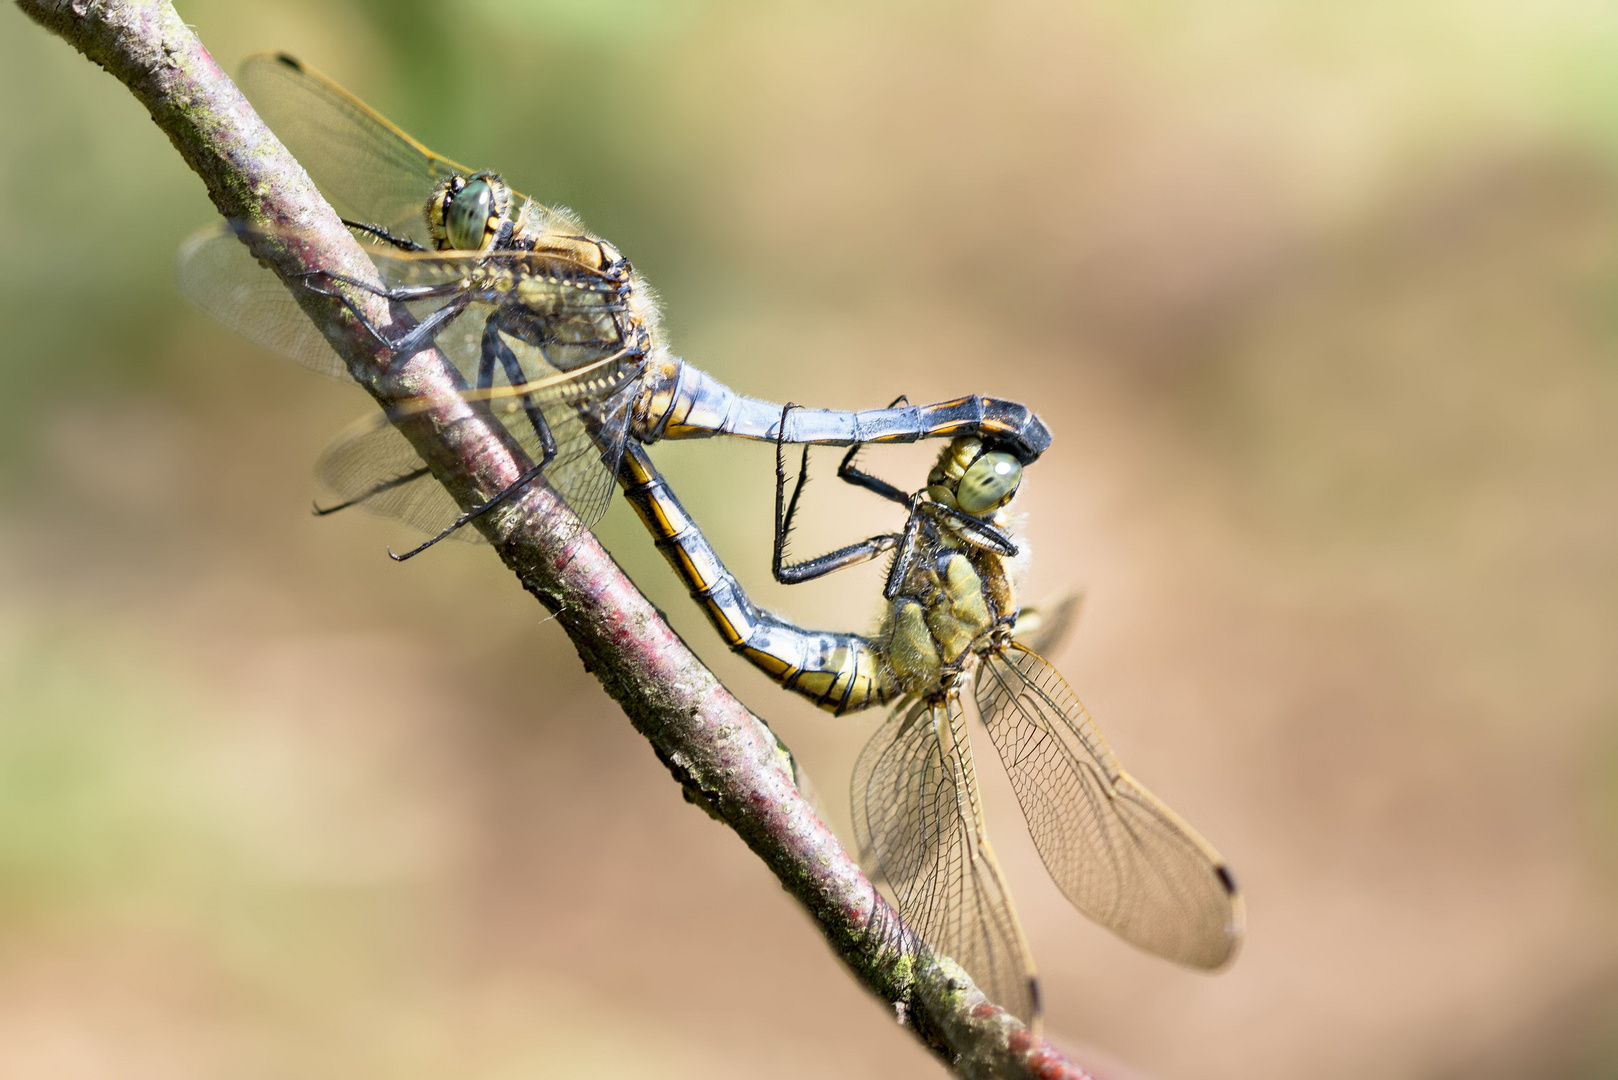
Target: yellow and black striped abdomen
{"type": "Point", "coordinates": [839, 672]}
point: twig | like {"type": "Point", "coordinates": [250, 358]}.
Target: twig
{"type": "Point", "coordinates": [725, 758]}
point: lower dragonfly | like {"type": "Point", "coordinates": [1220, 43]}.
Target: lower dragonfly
{"type": "Point", "coordinates": [506, 288]}
{"type": "Point", "coordinates": [950, 632]}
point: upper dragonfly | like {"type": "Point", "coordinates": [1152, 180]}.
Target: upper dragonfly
{"type": "Point", "coordinates": [508, 289]}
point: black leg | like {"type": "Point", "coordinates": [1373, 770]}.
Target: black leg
{"type": "Point", "coordinates": [386, 485]}
{"type": "Point", "coordinates": [379, 233]}
{"type": "Point", "coordinates": [859, 478]}
{"type": "Point", "coordinates": [796, 573]}
{"type": "Point", "coordinates": [783, 518]}
{"type": "Point", "coordinates": [399, 292]}
{"type": "Point", "coordinates": [974, 530]}
{"type": "Point", "coordinates": [477, 511]}
{"type": "Point", "coordinates": [419, 335]}
{"type": "Point", "coordinates": [495, 349]}
{"type": "Point", "coordinates": [852, 555]}
{"type": "Point", "coordinates": [906, 558]}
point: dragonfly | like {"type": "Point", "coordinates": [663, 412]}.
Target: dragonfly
{"type": "Point", "coordinates": [950, 634]}
{"type": "Point", "coordinates": [555, 332]}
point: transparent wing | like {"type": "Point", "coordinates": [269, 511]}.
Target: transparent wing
{"type": "Point", "coordinates": [574, 313]}
{"type": "Point", "coordinates": [369, 170]}
{"type": "Point", "coordinates": [372, 466]}
{"type": "Point", "coordinates": [215, 271]}
{"type": "Point", "coordinates": [575, 308]}
{"type": "Point", "coordinates": [916, 811]}
{"type": "Point", "coordinates": [587, 411]}
{"type": "Point", "coordinates": [1121, 856]}
{"type": "Point", "coordinates": [1043, 628]}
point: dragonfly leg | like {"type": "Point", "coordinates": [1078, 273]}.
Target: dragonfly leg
{"type": "Point", "coordinates": [809, 569]}
{"type": "Point", "coordinates": [848, 472]}
{"type": "Point", "coordinates": [377, 232]}
{"type": "Point", "coordinates": [477, 511]}
{"type": "Point", "coordinates": [387, 485]}
{"type": "Point", "coordinates": [840, 672]}
{"type": "Point", "coordinates": [402, 293]}
{"type": "Point", "coordinates": [905, 560]}
{"type": "Point", "coordinates": [974, 530]}
{"type": "Point", "coordinates": [495, 350]}
{"type": "Point", "coordinates": [419, 335]}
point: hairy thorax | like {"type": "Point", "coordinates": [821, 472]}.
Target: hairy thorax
{"type": "Point", "coordinates": [951, 605]}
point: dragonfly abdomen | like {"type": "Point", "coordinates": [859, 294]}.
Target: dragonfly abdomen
{"type": "Point", "coordinates": [683, 402]}
{"type": "Point", "coordinates": [839, 672]}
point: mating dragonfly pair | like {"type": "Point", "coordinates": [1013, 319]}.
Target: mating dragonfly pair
{"type": "Point", "coordinates": [558, 338]}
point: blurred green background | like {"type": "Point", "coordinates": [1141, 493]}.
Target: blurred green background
{"type": "Point", "coordinates": [1321, 302]}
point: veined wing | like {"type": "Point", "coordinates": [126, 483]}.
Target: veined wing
{"type": "Point", "coordinates": [1043, 628]}
{"type": "Point", "coordinates": [215, 270]}
{"type": "Point", "coordinates": [916, 810]}
{"type": "Point", "coordinates": [577, 312]}
{"type": "Point", "coordinates": [1121, 856]}
{"type": "Point", "coordinates": [369, 170]}
{"type": "Point", "coordinates": [373, 466]}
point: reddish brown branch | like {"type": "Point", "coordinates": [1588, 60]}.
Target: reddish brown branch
{"type": "Point", "coordinates": [727, 760]}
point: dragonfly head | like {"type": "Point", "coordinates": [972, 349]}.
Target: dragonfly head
{"type": "Point", "coordinates": [973, 478]}
{"type": "Point", "coordinates": [469, 213]}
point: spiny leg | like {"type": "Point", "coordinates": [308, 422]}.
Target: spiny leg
{"type": "Point", "coordinates": [848, 473]}
{"type": "Point", "coordinates": [906, 558]}
{"type": "Point", "coordinates": [975, 530]}
{"type": "Point", "coordinates": [808, 570]}
{"type": "Point", "coordinates": [377, 232]}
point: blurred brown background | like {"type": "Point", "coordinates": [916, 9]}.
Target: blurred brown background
{"type": "Point", "coordinates": [1321, 301]}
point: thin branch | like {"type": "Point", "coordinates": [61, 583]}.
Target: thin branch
{"type": "Point", "coordinates": [726, 759]}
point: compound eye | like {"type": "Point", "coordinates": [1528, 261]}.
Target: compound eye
{"type": "Point", "coordinates": [989, 483]}
{"type": "Point", "coordinates": [466, 218]}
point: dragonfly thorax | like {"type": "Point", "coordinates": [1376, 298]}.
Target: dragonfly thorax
{"type": "Point", "coordinates": [948, 611]}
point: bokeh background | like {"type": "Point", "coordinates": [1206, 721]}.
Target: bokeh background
{"type": "Point", "coordinates": [1321, 302]}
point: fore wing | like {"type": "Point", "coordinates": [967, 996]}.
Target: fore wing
{"type": "Point", "coordinates": [916, 810]}
{"type": "Point", "coordinates": [215, 270]}
{"type": "Point", "coordinates": [1121, 856]}
{"type": "Point", "coordinates": [369, 170]}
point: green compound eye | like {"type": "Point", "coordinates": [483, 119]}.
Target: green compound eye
{"type": "Point", "coordinates": [989, 483]}
{"type": "Point", "coordinates": [467, 219]}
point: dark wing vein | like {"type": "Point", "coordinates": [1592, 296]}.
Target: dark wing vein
{"type": "Point", "coordinates": [916, 810]}
{"type": "Point", "coordinates": [1121, 856]}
